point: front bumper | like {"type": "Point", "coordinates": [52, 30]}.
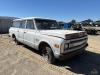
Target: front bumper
{"type": "Point", "coordinates": [72, 53]}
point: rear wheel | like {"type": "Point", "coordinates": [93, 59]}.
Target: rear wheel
{"type": "Point", "coordinates": [16, 41]}
{"type": "Point", "coordinates": [48, 54]}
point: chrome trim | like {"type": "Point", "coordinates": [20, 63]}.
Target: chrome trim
{"type": "Point", "coordinates": [77, 43]}
{"type": "Point", "coordinates": [66, 51]}
{"type": "Point", "coordinates": [62, 48]}
{"type": "Point", "coordinates": [78, 39]}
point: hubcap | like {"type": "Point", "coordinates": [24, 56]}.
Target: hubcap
{"type": "Point", "coordinates": [46, 54]}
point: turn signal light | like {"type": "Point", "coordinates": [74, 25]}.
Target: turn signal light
{"type": "Point", "coordinates": [56, 45]}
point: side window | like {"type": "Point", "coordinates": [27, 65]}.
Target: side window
{"type": "Point", "coordinates": [22, 24]}
{"type": "Point", "coordinates": [30, 24]}
{"type": "Point", "coordinates": [16, 24]}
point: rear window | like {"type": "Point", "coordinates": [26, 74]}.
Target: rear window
{"type": "Point", "coordinates": [16, 24]}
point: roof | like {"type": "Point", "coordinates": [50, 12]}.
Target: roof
{"type": "Point", "coordinates": [33, 18]}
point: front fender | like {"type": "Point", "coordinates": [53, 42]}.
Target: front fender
{"type": "Point", "coordinates": [43, 40]}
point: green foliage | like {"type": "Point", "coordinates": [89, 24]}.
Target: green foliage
{"type": "Point", "coordinates": [73, 21]}
{"type": "Point", "coordinates": [88, 20]}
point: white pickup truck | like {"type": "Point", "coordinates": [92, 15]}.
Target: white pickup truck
{"type": "Point", "coordinates": [46, 35]}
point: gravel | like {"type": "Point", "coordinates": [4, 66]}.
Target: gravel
{"type": "Point", "coordinates": [23, 60]}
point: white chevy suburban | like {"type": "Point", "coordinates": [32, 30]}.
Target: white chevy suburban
{"type": "Point", "coordinates": [45, 35]}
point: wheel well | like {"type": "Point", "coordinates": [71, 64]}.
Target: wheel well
{"type": "Point", "coordinates": [13, 36]}
{"type": "Point", "coordinates": [42, 44]}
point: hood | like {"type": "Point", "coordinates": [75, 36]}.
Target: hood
{"type": "Point", "coordinates": [59, 33]}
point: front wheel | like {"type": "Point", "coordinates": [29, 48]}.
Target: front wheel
{"type": "Point", "coordinates": [48, 54]}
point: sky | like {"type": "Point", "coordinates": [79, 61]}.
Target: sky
{"type": "Point", "coordinates": [60, 10]}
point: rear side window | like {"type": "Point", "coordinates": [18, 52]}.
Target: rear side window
{"type": "Point", "coordinates": [22, 24]}
{"type": "Point", "coordinates": [30, 24]}
{"type": "Point", "coordinates": [16, 24]}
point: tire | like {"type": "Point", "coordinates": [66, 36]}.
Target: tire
{"type": "Point", "coordinates": [48, 54]}
{"type": "Point", "coordinates": [16, 41]}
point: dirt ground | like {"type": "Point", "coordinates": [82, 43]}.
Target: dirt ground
{"type": "Point", "coordinates": [22, 60]}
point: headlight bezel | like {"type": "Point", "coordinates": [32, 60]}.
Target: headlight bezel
{"type": "Point", "coordinates": [63, 49]}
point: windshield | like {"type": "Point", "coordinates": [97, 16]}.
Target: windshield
{"type": "Point", "coordinates": [46, 24]}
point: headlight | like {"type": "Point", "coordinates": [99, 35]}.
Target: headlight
{"type": "Point", "coordinates": [64, 46]}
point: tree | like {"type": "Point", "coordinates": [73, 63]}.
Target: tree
{"type": "Point", "coordinates": [73, 21]}
{"type": "Point", "coordinates": [88, 20]}
{"type": "Point", "coordinates": [97, 21]}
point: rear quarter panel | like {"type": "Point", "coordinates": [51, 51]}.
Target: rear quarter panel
{"type": "Point", "coordinates": [14, 31]}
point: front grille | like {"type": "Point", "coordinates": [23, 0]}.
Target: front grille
{"type": "Point", "coordinates": [76, 46]}
{"type": "Point", "coordinates": [77, 43]}
{"type": "Point", "coordinates": [78, 40]}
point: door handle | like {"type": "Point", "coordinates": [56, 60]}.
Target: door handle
{"type": "Point", "coordinates": [24, 32]}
